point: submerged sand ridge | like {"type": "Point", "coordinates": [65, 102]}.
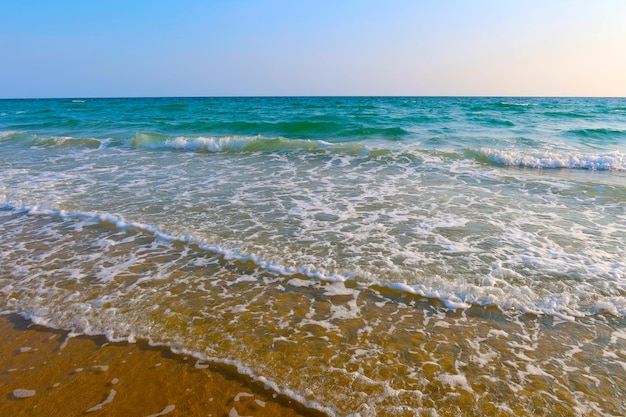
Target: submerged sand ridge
{"type": "Point", "coordinates": [45, 373]}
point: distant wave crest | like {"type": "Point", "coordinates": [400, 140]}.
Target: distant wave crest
{"type": "Point", "coordinates": [598, 133]}
{"type": "Point", "coordinates": [513, 104]}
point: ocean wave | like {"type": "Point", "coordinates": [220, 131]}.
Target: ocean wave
{"type": "Point", "coordinates": [225, 144]}
{"type": "Point", "coordinates": [499, 106]}
{"type": "Point", "coordinates": [324, 127]}
{"type": "Point", "coordinates": [566, 114]}
{"type": "Point", "coordinates": [598, 133]}
{"type": "Point", "coordinates": [199, 144]}
{"type": "Point", "coordinates": [496, 122]}
{"type": "Point", "coordinates": [610, 161]}
{"type": "Point", "coordinates": [7, 134]}
{"type": "Point", "coordinates": [29, 139]}
{"type": "Point", "coordinates": [607, 161]}
{"type": "Point", "coordinates": [67, 142]}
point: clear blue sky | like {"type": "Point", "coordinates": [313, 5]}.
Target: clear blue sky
{"type": "Point", "coordinates": [71, 48]}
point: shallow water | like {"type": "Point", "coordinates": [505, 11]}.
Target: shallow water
{"type": "Point", "coordinates": [367, 256]}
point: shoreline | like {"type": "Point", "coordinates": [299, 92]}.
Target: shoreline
{"type": "Point", "coordinates": [43, 372]}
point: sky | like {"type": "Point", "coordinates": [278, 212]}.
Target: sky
{"type": "Point", "coordinates": [114, 48]}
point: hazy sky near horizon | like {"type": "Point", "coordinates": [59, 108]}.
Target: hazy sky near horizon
{"type": "Point", "coordinates": [71, 48]}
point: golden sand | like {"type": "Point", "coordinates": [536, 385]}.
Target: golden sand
{"type": "Point", "coordinates": [45, 373]}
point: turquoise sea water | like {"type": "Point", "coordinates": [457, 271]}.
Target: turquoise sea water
{"type": "Point", "coordinates": [364, 256]}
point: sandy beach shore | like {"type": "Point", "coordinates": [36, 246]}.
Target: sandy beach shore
{"type": "Point", "coordinates": [43, 372]}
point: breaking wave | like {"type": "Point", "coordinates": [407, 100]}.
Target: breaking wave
{"type": "Point", "coordinates": [609, 161]}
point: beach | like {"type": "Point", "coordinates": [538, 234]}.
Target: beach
{"type": "Point", "coordinates": [338, 256]}
{"type": "Point", "coordinates": [45, 372]}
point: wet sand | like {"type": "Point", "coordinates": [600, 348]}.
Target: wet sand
{"type": "Point", "coordinates": [43, 372]}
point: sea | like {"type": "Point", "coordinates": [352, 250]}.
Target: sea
{"type": "Point", "coordinates": [363, 256]}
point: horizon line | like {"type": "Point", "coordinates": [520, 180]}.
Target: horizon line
{"type": "Point", "coordinates": [300, 96]}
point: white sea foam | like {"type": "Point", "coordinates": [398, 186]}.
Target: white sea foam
{"type": "Point", "coordinates": [23, 393]}
{"type": "Point", "coordinates": [124, 225]}
{"type": "Point", "coordinates": [452, 294]}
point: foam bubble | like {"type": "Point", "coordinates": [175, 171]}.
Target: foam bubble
{"type": "Point", "coordinates": [241, 395]}
{"type": "Point", "coordinates": [108, 400]}
{"type": "Point", "coordinates": [165, 411]}
{"type": "Point", "coordinates": [198, 365]}
{"type": "Point", "coordinates": [23, 393]}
